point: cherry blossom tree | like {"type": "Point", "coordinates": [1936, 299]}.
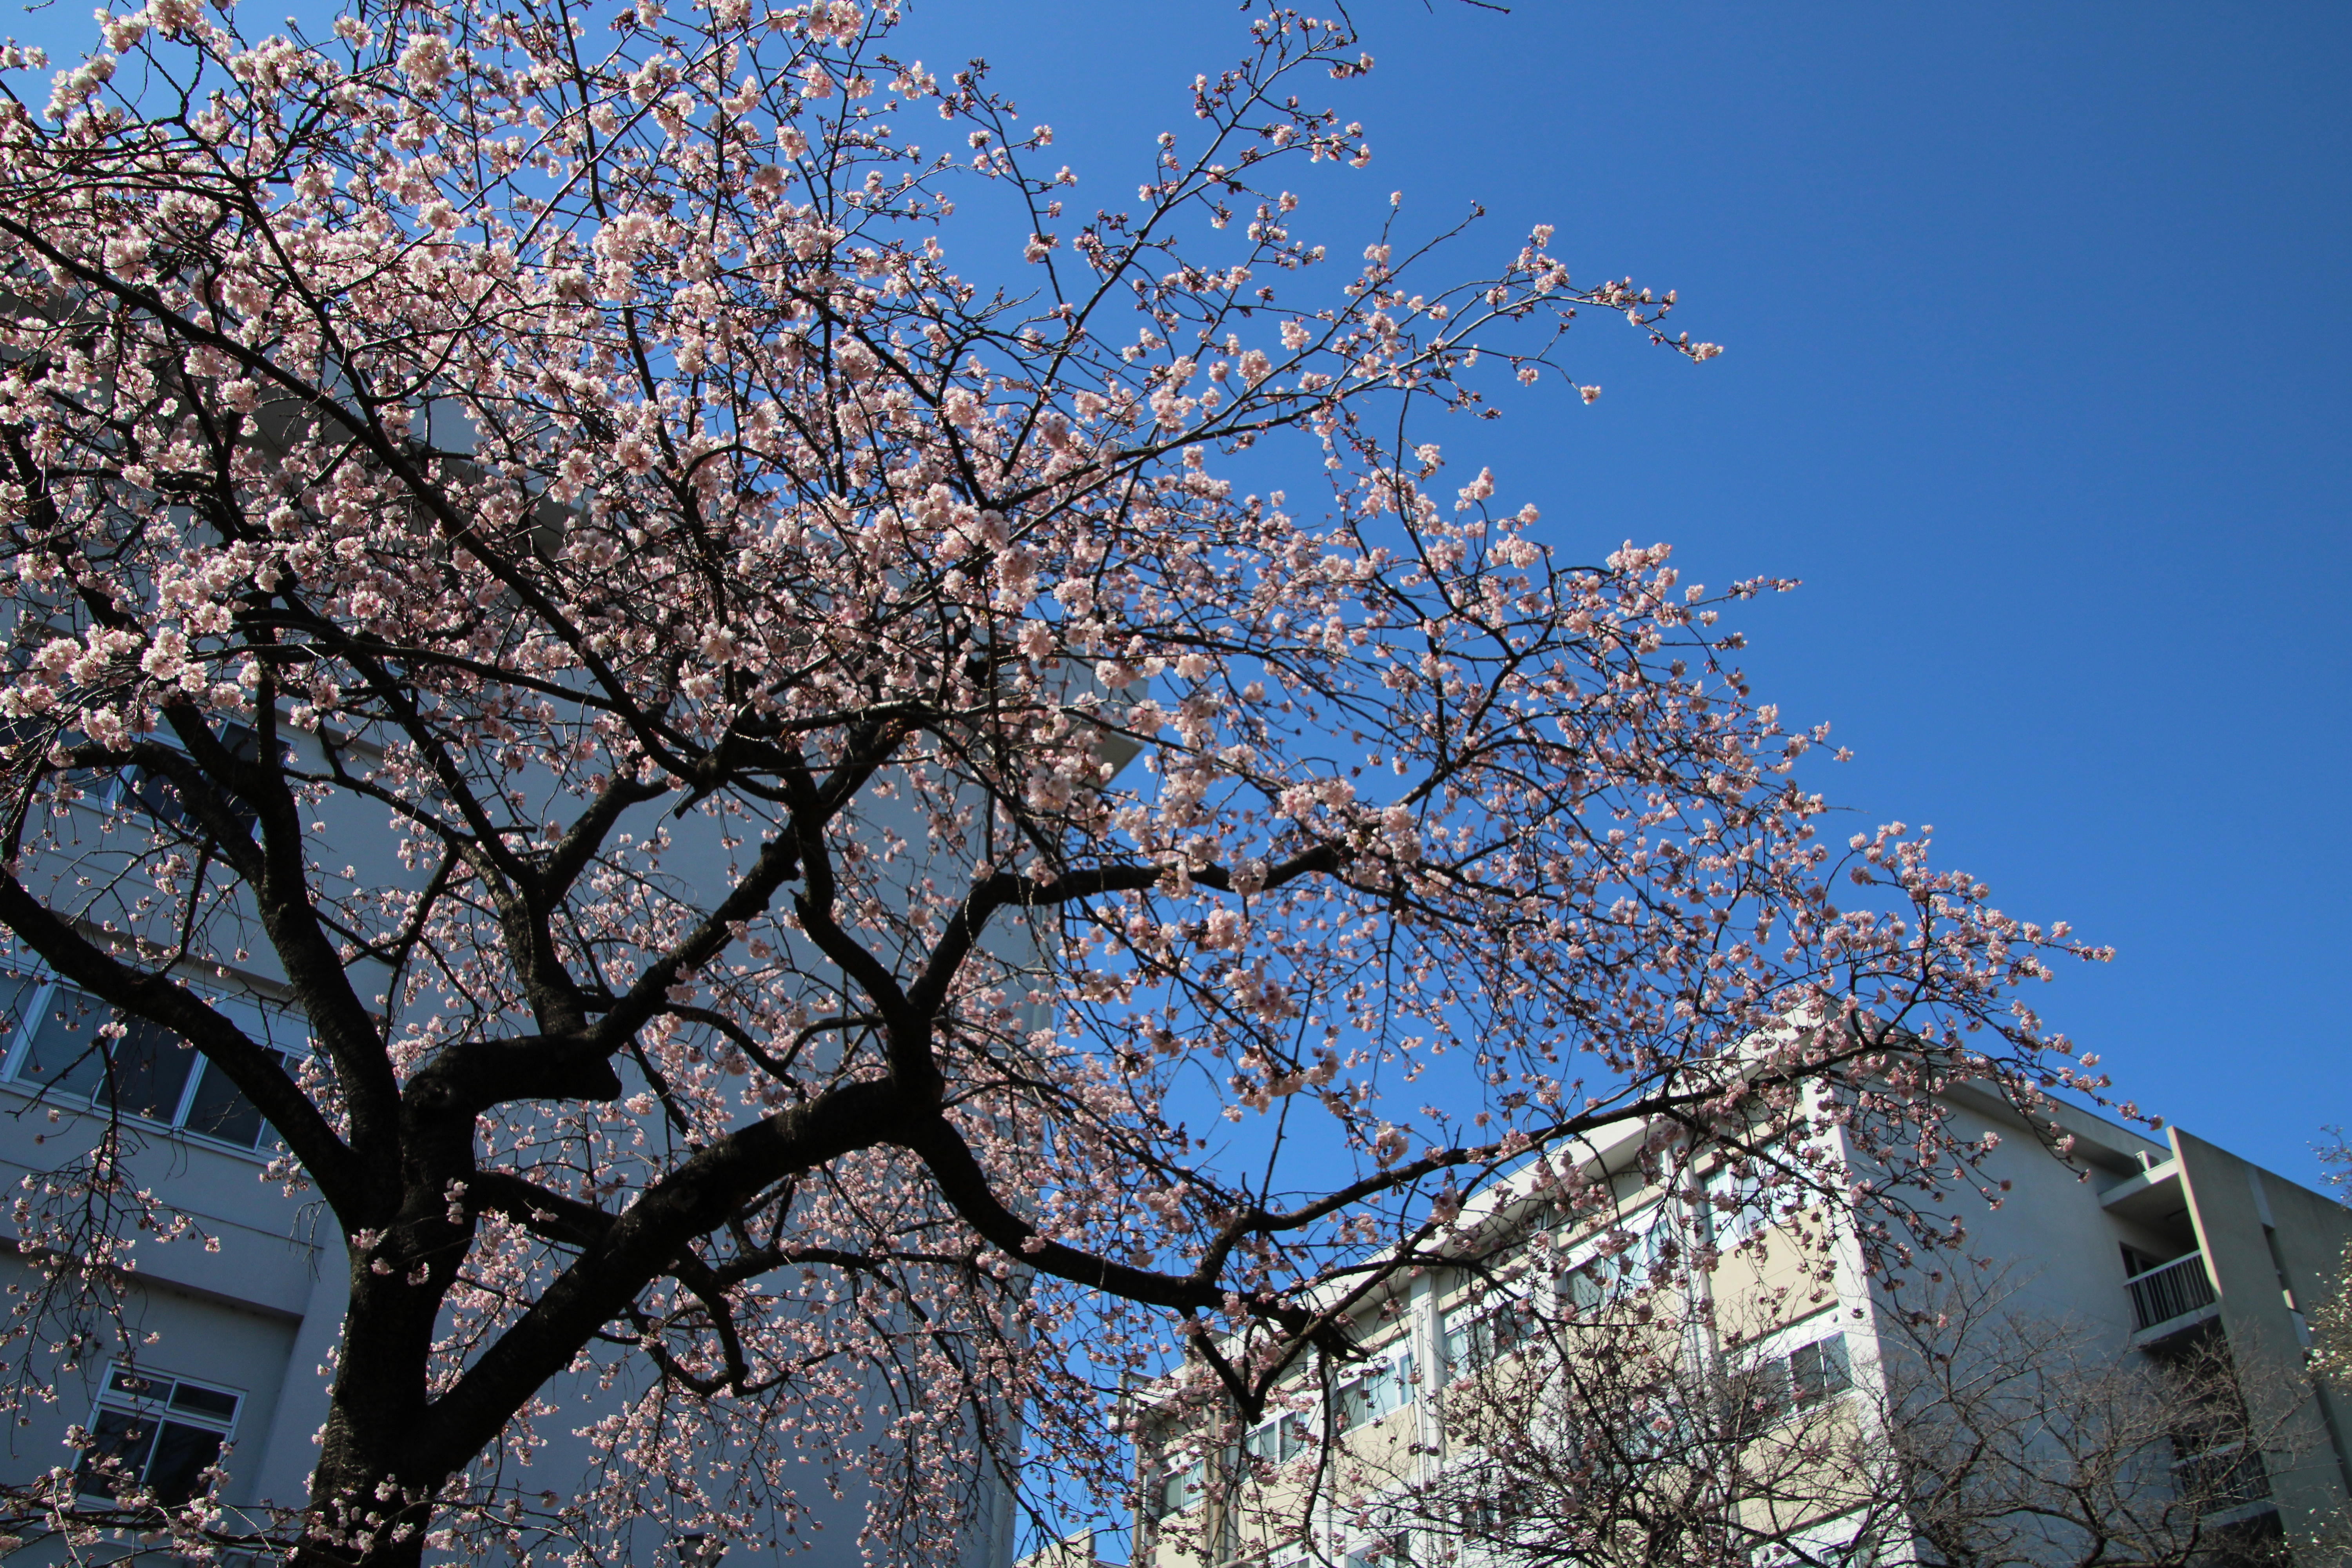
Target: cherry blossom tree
{"type": "Point", "coordinates": [835, 855]}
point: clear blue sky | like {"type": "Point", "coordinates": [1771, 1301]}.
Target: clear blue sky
{"type": "Point", "coordinates": [2038, 334]}
{"type": "Point", "coordinates": [2038, 328]}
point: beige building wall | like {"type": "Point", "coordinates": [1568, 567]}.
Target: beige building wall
{"type": "Point", "coordinates": [2110, 1237]}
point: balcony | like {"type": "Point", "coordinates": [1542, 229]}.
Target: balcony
{"type": "Point", "coordinates": [2229, 1481]}
{"type": "Point", "coordinates": [2170, 1295]}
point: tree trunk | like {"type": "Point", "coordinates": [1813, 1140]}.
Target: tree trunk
{"type": "Point", "coordinates": [363, 1511]}
{"type": "Point", "coordinates": [370, 1502]}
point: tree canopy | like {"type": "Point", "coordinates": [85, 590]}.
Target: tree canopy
{"type": "Point", "coordinates": [825, 838]}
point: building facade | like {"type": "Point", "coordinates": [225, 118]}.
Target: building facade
{"type": "Point", "coordinates": [2145, 1259]}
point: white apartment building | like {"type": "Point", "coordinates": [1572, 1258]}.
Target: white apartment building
{"type": "Point", "coordinates": [2145, 1244]}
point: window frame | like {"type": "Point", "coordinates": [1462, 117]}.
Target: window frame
{"type": "Point", "coordinates": [1377, 1533]}
{"type": "Point", "coordinates": [1188, 1471]}
{"type": "Point", "coordinates": [121, 790]}
{"type": "Point", "coordinates": [1289, 1554]}
{"type": "Point", "coordinates": [1753, 1213]}
{"type": "Point", "coordinates": [1773, 1361]}
{"type": "Point", "coordinates": [44, 989]}
{"type": "Point", "coordinates": [1762, 1202]}
{"type": "Point", "coordinates": [1836, 1368]}
{"type": "Point", "coordinates": [1482, 1347]}
{"type": "Point", "coordinates": [163, 1410]}
{"type": "Point", "coordinates": [1287, 1434]}
{"type": "Point", "coordinates": [1625, 1272]}
{"type": "Point", "coordinates": [1390, 1366]}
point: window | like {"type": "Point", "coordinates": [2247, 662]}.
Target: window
{"type": "Point", "coordinates": [1657, 1426]}
{"type": "Point", "coordinates": [1818, 1371]}
{"type": "Point", "coordinates": [1738, 1200]}
{"type": "Point", "coordinates": [1289, 1556]}
{"type": "Point", "coordinates": [1478, 1337]}
{"type": "Point", "coordinates": [2217, 1480]}
{"type": "Point", "coordinates": [1782, 1384]}
{"type": "Point", "coordinates": [1496, 1506]}
{"type": "Point", "coordinates": [1864, 1539]}
{"type": "Point", "coordinates": [1373, 1532]}
{"type": "Point", "coordinates": [155, 1432]}
{"type": "Point", "coordinates": [1582, 1288]}
{"type": "Point", "coordinates": [1375, 1391]}
{"type": "Point", "coordinates": [1183, 1482]}
{"type": "Point", "coordinates": [1598, 1274]}
{"type": "Point", "coordinates": [70, 1046]}
{"type": "Point", "coordinates": [1279, 1438]}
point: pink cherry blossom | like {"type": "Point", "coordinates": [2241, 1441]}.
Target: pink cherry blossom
{"type": "Point", "coordinates": [803, 797]}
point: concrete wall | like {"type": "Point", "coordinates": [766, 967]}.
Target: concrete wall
{"type": "Point", "coordinates": [2272, 1248]}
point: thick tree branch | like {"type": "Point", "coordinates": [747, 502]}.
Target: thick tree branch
{"type": "Point", "coordinates": [252, 1067]}
{"type": "Point", "coordinates": [641, 1244]}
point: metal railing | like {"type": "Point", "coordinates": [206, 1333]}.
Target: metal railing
{"type": "Point", "coordinates": [2221, 1479]}
{"type": "Point", "coordinates": [2170, 1291]}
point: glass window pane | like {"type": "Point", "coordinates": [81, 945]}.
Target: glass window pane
{"type": "Point", "coordinates": [1742, 1198]}
{"type": "Point", "coordinates": [219, 1110]}
{"type": "Point", "coordinates": [17, 993]}
{"type": "Point", "coordinates": [1396, 1383]}
{"type": "Point", "coordinates": [150, 1065]}
{"type": "Point", "coordinates": [205, 1401]}
{"type": "Point", "coordinates": [1818, 1371]}
{"type": "Point", "coordinates": [1182, 1485]}
{"type": "Point", "coordinates": [138, 1385]}
{"type": "Point", "coordinates": [181, 1451]}
{"type": "Point", "coordinates": [1762, 1392]}
{"type": "Point", "coordinates": [1582, 1290]}
{"type": "Point", "coordinates": [159, 798]}
{"type": "Point", "coordinates": [65, 1053]}
{"type": "Point", "coordinates": [156, 795]}
{"type": "Point", "coordinates": [150, 1068]}
{"type": "Point", "coordinates": [118, 1452]}
{"type": "Point", "coordinates": [245, 746]}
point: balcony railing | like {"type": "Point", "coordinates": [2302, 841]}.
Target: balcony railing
{"type": "Point", "coordinates": [2170, 1291]}
{"type": "Point", "coordinates": [2223, 1479]}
